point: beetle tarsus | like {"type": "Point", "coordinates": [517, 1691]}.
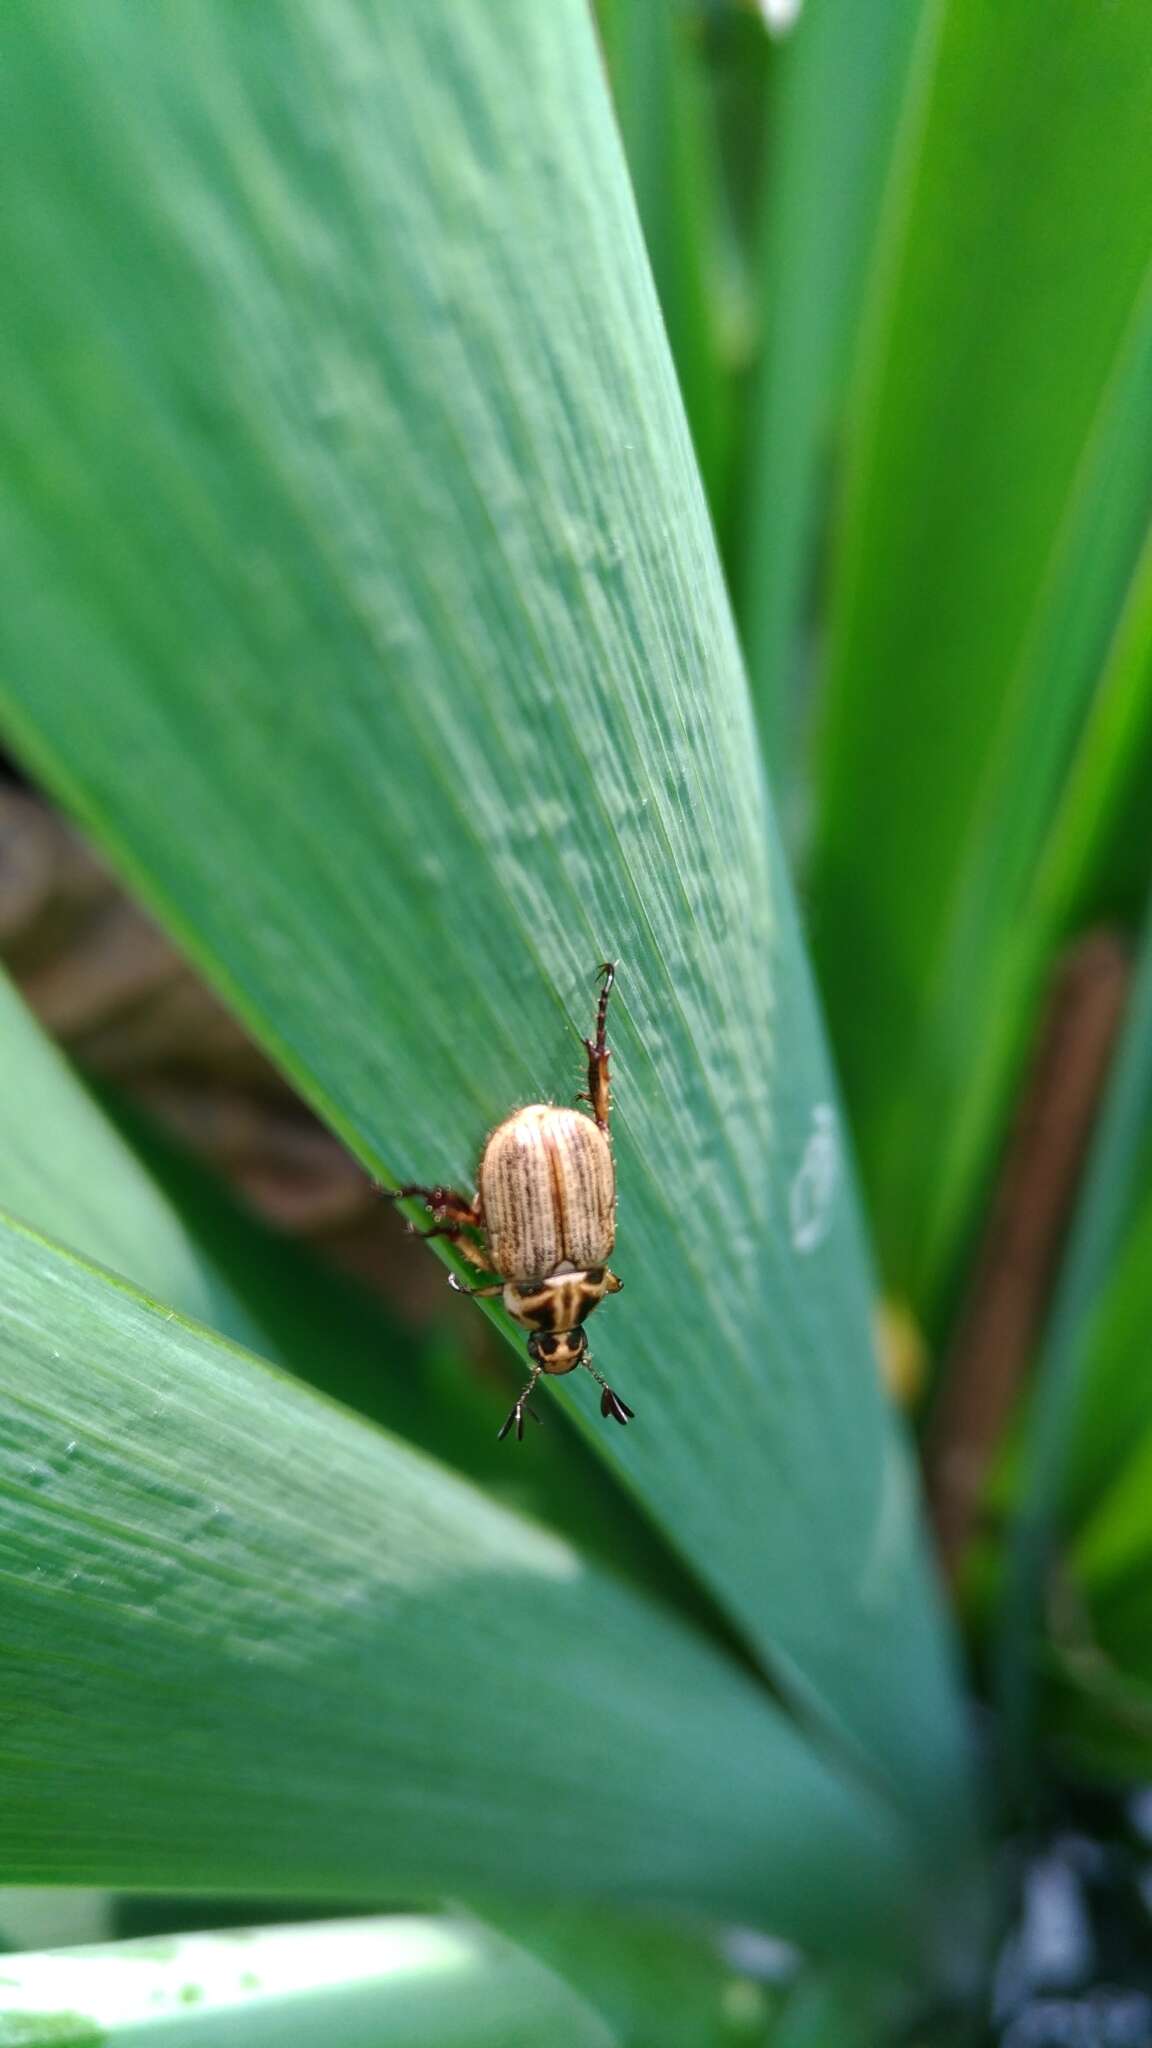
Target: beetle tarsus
{"type": "Point", "coordinates": [611, 1404]}
{"type": "Point", "coordinates": [598, 1094]}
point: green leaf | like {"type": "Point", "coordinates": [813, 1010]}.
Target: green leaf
{"type": "Point", "coordinates": [660, 1982]}
{"type": "Point", "coordinates": [310, 1659]}
{"type": "Point", "coordinates": [66, 1170]}
{"type": "Point", "coordinates": [364, 604]}
{"type": "Point", "coordinates": [998, 495]}
{"type": "Point", "coordinates": [424, 1982]}
{"type": "Point", "coordinates": [1112, 1408]}
{"type": "Point", "coordinates": [838, 92]}
{"type": "Point", "coordinates": [833, 2010]}
{"type": "Point", "coordinates": [661, 101]}
{"type": "Point", "coordinates": [1105, 793]}
{"type": "Point", "coordinates": [1111, 1193]}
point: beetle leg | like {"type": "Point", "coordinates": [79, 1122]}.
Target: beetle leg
{"type": "Point", "coordinates": [598, 1094]}
{"type": "Point", "coordinates": [446, 1205]}
{"type": "Point", "coordinates": [454, 1215]}
{"type": "Point", "coordinates": [521, 1409]}
{"type": "Point", "coordinates": [455, 1281]}
{"type": "Point", "coordinates": [474, 1253]}
{"type": "Point", "coordinates": [610, 1403]}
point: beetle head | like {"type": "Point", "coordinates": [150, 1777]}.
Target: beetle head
{"type": "Point", "coordinates": [557, 1350]}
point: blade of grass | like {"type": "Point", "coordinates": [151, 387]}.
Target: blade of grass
{"type": "Point", "coordinates": [310, 1659]}
{"type": "Point", "coordinates": [428, 1983]}
{"type": "Point", "coordinates": [369, 613]}
{"type": "Point", "coordinates": [1000, 478]}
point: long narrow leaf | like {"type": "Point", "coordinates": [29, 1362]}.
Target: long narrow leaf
{"type": "Point", "coordinates": [421, 1982]}
{"type": "Point", "coordinates": [1000, 482]}
{"type": "Point", "coordinates": [840, 86]}
{"type": "Point", "coordinates": [65, 1170]}
{"type": "Point", "coordinates": [660, 99]}
{"type": "Point", "coordinates": [309, 1658]}
{"type": "Point", "coordinates": [1111, 1193]}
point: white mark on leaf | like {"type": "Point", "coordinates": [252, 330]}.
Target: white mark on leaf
{"type": "Point", "coordinates": [812, 1196]}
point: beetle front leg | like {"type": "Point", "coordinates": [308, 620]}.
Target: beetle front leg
{"type": "Point", "coordinates": [610, 1403]}
{"type": "Point", "coordinates": [521, 1409]}
{"type": "Point", "coordinates": [598, 1094]}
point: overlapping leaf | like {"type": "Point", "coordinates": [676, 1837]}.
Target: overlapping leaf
{"type": "Point", "coordinates": [996, 508]}
{"type": "Point", "coordinates": [428, 1983]}
{"type": "Point", "coordinates": [310, 1659]}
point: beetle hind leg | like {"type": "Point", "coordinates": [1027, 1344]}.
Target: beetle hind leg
{"type": "Point", "coordinates": [598, 1094]}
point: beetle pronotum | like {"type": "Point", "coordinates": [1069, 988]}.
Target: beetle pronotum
{"type": "Point", "coordinates": [543, 1220]}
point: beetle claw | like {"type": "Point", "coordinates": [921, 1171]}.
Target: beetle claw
{"type": "Point", "coordinates": [611, 1404]}
{"type": "Point", "coordinates": [517, 1416]}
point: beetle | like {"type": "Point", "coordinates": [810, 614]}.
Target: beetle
{"type": "Point", "coordinates": [543, 1220]}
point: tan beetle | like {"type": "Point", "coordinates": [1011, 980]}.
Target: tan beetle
{"type": "Point", "coordinates": [545, 1218]}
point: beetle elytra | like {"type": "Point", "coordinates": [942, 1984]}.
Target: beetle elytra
{"type": "Point", "coordinates": [543, 1221]}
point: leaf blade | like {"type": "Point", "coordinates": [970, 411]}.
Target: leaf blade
{"type": "Point", "coordinates": [1000, 482]}
{"type": "Point", "coordinates": [435, 1984]}
{"type": "Point", "coordinates": [303, 1650]}
{"type": "Point", "coordinates": [1105, 1209]}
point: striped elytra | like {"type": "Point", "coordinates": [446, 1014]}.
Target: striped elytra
{"type": "Point", "coordinates": [546, 1193]}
